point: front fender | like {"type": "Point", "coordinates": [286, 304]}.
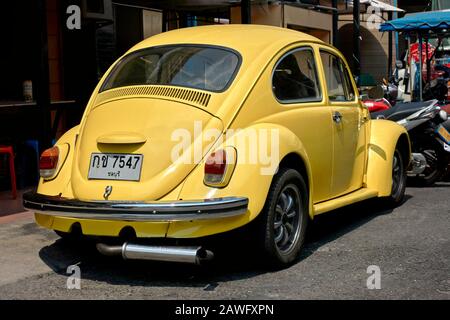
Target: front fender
{"type": "Point", "coordinates": [60, 184]}
{"type": "Point", "coordinates": [250, 179]}
{"type": "Point", "coordinates": [384, 137]}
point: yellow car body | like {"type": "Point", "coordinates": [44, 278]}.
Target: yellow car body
{"type": "Point", "coordinates": [342, 163]}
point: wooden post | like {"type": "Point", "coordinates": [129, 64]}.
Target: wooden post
{"type": "Point", "coordinates": [246, 12]}
{"type": "Point", "coordinates": [356, 41]}
{"type": "Point", "coordinates": [335, 22]}
{"type": "Point", "coordinates": [42, 78]}
{"type": "Point", "coordinates": [390, 55]}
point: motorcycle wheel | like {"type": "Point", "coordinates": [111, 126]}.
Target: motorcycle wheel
{"type": "Point", "coordinates": [436, 165]}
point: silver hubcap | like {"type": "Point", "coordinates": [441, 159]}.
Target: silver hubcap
{"type": "Point", "coordinates": [287, 221]}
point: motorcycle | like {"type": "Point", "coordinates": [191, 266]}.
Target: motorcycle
{"type": "Point", "coordinates": [446, 108]}
{"type": "Point", "coordinates": [389, 92]}
{"type": "Point", "coordinates": [429, 130]}
{"type": "Point", "coordinates": [376, 105]}
{"type": "Point", "coordinates": [436, 89]}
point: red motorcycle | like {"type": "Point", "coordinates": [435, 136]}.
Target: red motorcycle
{"type": "Point", "coordinates": [389, 92]}
{"type": "Point", "coordinates": [377, 105]}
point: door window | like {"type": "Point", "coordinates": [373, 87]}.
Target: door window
{"type": "Point", "coordinates": [338, 80]}
{"type": "Point", "coordinates": [295, 78]}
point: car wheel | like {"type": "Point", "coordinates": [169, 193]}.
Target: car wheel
{"type": "Point", "coordinates": [398, 181]}
{"type": "Point", "coordinates": [283, 221]}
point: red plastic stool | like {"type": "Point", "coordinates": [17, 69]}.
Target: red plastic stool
{"type": "Point", "coordinates": [9, 151]}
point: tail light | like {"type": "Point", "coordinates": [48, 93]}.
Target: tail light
{"type": "Point", "coordinates": [215, 166]}
{"type": "Point", "coordinates": [219, 166]}
{"type": "Point", "coordinates": [48, 162]}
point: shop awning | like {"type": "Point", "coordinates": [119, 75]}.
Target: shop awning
{"type": "Point", "coordinates": [424, 21]}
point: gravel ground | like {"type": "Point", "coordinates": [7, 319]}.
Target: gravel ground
{"type": "Point", "coordinates": [411, 246]}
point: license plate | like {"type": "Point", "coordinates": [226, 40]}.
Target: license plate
{"type": "Point", "coordinates": [115, 166]}
{"type": "Point", "coordinates": [443, 132]}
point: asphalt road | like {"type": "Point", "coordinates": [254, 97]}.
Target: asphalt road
{"type": "Point", "coordinates": [410, 245]}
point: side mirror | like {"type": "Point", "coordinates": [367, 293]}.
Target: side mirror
{"type": "Point", "coordinates": [376, 93]}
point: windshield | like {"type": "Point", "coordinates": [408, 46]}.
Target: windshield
{"type": "Point", "coordinates": [200, 67]}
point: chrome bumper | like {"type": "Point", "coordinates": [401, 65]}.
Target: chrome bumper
{"type": "Point", "coordinates": [136, 211]}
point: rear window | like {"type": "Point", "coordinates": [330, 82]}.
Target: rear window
{"type": "Point", "coordinates": [200, 67]}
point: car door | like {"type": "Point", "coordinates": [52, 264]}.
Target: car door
{"type": "Point", "coordinates": [349, 125]}
{"type": "Point", "coordinates": [297, 88]}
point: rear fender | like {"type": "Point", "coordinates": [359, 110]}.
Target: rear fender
{"type": "Point", "coordinates": [60, 184]}
{"type": "Point", "coordinates": [250, 178]}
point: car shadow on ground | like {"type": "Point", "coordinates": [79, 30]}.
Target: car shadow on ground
{"type": "Point", "coordinates": [233, 261]}
{"type": "Point", "coordinates": [439, 184]}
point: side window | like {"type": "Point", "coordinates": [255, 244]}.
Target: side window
{"type": "Point", "coordinates": [295, 78]}
{"type": "Point", "coordinates": [338, 80]}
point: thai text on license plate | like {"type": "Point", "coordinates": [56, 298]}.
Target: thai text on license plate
{"type": "Point", "coordinates": [115, 166]}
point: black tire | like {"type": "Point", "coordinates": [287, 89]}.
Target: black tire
{"type": "Point", "coordinates": [286, 208]}
{"type": "Point", "coordinates": [398, 181]}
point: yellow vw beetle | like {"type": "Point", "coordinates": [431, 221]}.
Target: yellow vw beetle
{"type": "Point", "coordinates": [203, 130]}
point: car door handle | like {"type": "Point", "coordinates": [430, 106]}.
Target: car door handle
{"type": "Point", "coordinates": [337, 117]}
{"type": "Point", "coordinates": [364, 119]}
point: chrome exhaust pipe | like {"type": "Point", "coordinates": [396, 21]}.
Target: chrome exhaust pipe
{"type": "Point", "coordinates": [131, 251]}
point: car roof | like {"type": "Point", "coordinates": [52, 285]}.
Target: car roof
{"type": "Point", "coordinates": [247, 39]}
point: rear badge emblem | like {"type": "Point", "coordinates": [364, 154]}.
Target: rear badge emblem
{"type": "Point", "coordinates": [108, 191]}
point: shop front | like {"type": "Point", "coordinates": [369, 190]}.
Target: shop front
{"type": "Point", "coordinates": [32, 101]}
{"type": "Point", "coordinates": [53, 56]}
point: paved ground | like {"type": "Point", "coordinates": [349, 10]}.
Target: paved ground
{"type": "Point", "coordinates": [411, 245]}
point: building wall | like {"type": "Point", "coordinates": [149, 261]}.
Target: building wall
{"type": "Point", "coordinates": [374, 45]}
{"type": "Point", "coordinates": [315, 23]}
{"type": "Point", "coordinates": [261, 14]}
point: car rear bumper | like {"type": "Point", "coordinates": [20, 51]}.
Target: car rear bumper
{"type": "Point", "coordinates": [182, 210]}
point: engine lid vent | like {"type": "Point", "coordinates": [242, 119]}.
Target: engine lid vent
{"type": "Point", "coordinates": [184, 95]}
